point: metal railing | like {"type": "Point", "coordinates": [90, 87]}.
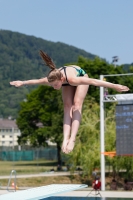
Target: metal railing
{"type": "Point", "coordinates": [13, 172]}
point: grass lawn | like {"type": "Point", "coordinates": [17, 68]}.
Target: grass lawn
{"type": "Point", "coordinates": [33, 167]}
{"type": "Point", "coordinates": [41, 181]}
{"type": "Point", "coordinates": [40, 166]}
{"type": "Point", "coordinates": [26, 167]}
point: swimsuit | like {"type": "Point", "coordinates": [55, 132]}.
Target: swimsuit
{"type": "Point", "coordinates": [80, 72]}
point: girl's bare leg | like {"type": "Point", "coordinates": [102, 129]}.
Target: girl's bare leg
{"type": "Point", "coordinates": [79, 97]}
{"type": "Point", "coordinates": [68, 96]}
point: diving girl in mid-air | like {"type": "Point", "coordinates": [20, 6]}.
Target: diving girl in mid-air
{"type": "Point", "coordinates": [74, 83]}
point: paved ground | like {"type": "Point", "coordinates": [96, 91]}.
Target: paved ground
{"type": "Point", "coordinates": [85, 193]}
{"type": "Point", "coordinates": [111, 194]}
{"type": "Point", "coordinates": [40, 175]}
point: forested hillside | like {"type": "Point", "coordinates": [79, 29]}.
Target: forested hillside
{"type": "Point", "coordinates": [20, 60]}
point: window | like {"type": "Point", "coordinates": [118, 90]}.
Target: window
{"type": "Point", "coordinates": [3, 136]}
{"type": "Point", "coordinates": [10, 136]}
{"type": "Point", "coordinates": [15, 130]}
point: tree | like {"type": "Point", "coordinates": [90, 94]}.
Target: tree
{"type": "Point", "coordinates": [97, 67]}
{"type": "Point", "coordinates": [87, 148]}
{"type": "Point", "coordinates": [40, 118]}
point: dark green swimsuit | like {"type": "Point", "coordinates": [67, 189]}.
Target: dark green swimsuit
{"type": "Point", "coordinates": [80, 72]}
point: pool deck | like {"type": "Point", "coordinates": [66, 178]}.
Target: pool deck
{"type": "Point", "coordinates": [84, 193]}
{"type": "Point", "coordinates": [111, 194]}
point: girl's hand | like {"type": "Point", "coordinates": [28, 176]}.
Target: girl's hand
{"type": "Point", "coordinates": [120, 88]}
{"type": "Point", "coordinates": [17, 83]}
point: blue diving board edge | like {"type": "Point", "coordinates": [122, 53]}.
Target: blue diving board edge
{"type": "Point", "coordinates": [39, 193]}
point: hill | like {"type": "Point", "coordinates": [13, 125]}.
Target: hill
{"type": "Point", "coordinates": [127, 67]}
{"type": "Point", "coordinates": [20, 60]}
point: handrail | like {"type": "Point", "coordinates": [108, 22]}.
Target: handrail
{"type": "Point", "coordinates": [12, 172]}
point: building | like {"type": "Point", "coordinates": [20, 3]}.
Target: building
{"type": "Point", "coordinates": [9, 133]}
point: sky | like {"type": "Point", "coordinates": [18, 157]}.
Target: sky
{"type": "Point", "coordinates": [101, 27]}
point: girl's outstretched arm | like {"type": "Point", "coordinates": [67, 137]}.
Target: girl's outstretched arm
{"type": "Point", "coordinates": [90, 81]}
{"type": "Point", "coordinates": [43, 81]}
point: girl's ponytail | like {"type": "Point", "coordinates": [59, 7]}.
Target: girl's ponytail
{"type": "Point", "coordinates": [47, 60]}
{"type": "Point", "coordinates": [54, 73]}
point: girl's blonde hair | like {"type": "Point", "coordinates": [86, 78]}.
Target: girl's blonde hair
{"type": "Point", "coordinates": [54, 73]}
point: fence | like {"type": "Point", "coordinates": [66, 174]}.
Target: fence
{"type": "Point", "coordinates": [29, 155]}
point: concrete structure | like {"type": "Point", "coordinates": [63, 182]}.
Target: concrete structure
{"type": "Point", "coordinates": [84, 193]}
{"type": "Point", "coordinates": [42, 192]}
{"type": "Point", "coordinates": [9, 133]}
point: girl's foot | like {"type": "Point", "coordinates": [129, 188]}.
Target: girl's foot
{"type": "Point", "coordinates": [70, 146]}
{"type": "Point", "coordinates": [64, 145]}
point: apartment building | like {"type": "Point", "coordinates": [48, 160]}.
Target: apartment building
{"type": "Point", "coordinates": [9, 133]}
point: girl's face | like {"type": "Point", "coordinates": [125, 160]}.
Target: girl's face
{"type": "Point", "coordinates": [56, 84]}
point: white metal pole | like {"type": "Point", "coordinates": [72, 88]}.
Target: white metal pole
{"type": "Point", "coordinates": [13, 137]}
{"type": "Point", "coordinates": [102, 136]}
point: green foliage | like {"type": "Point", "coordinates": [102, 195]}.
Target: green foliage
{"type": "Point", "coordinates": [87, 148]}
{"type": "Point", "coordinates": [40, 116]}
{"type": "Point", "coordinates": [20, 60]}
{"type": "Point", "coordinates": [97, 67]}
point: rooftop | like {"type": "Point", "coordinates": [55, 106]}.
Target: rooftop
{"type": "Point", "coordinates": [7, 123]}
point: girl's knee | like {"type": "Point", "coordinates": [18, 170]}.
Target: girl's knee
{"type": "Point", "coordinates": [77, 106]}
